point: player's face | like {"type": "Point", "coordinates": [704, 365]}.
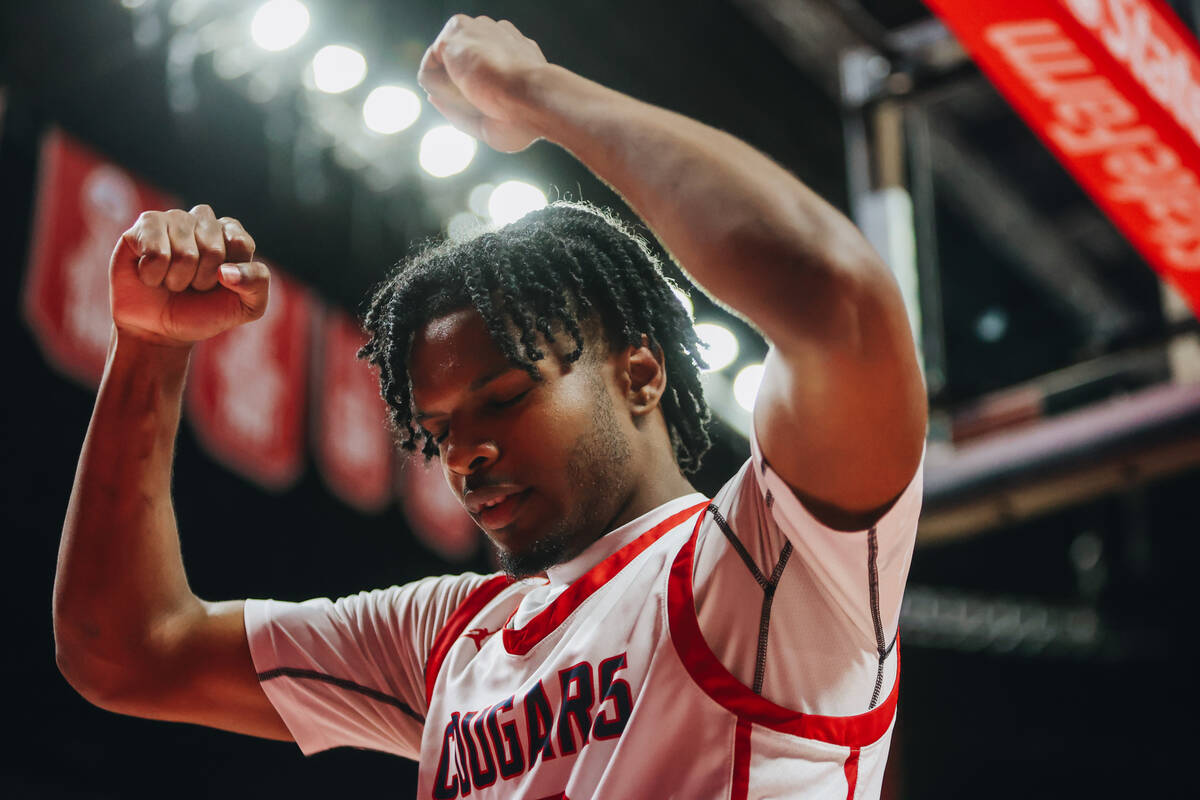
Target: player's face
{"type": "Point", "coordinates": [542, 466]}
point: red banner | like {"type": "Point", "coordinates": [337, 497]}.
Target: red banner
{"type": "Point", "coordinates": [1112, 87]}
{"type": "Point", "coordinates": [435, 515]}
{"type": "Point", "coordinates": [354, 449]}
{"type": "Point", "coordinates": [84, 204]}
{"type": "Point", "coordinates": [247, 387]}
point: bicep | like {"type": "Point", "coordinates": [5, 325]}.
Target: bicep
{"type": "Point", "coordinates": [203, 673]}
{"type": "Point", "coordinates": [841, 411]}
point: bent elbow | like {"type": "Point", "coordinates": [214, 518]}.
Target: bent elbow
{"type": "Point", "coordinates": [102, 683]}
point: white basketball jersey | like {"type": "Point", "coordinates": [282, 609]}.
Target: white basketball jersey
{"type": "Point", "coordinates": [709, 649]}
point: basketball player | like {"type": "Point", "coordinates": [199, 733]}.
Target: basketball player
{"type": "Point", "coordinates": [643, 641]}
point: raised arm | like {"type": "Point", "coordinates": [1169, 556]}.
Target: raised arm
{"type": "Point", "coordinates": [842, 409]}
{"type": "Point", "coordinates": [129, 634]}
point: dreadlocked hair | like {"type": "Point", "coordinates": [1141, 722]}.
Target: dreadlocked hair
{"type": "Point", "coordinates": [549, 273]}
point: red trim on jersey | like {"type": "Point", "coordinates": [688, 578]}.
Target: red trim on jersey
{"type": "Point", "coordinates": [719, 684]}
{"type": "Point", "coordinates": [518, 642]}
{"type": "Point", "coordinates": [456, 624]}
{"type": "Point", "coordinates": [851, 770]}
{"type": "Point", "coordinates": [740, 785]}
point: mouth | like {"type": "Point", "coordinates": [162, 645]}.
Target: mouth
{"type": "Point", "coordinates": [500, 512]}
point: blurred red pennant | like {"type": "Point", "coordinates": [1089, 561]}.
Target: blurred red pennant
{"type": "Point", "coordinates": [84, 204]}
{"type": "Point", "coordinates": [354, 450]}
{"type": "Point", "coordinates": [247, 387]}
{"type": "Point", "coordinates": [435, 515]}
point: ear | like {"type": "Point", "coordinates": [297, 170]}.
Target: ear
{"type": "Point", "coordinates": [647, 374]}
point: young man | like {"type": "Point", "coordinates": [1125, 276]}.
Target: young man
{"type": "Point", "coordinates": [645, 641]}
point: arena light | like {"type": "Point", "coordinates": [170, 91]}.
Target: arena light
{"type": "Point", "coordinates": [745, 386]}
{"type": "Point", "coordinates": [184, 12]}
{"type": "Point", "coordinates": [477, 201]}
{"type": "Point", "coordinates": [279, 24]}
{"type": "Point", "coordinates": [233, 61]}
{"type": "Point", "coordinates": [512, 200]}
{"type": "Point", "coordinates": [391, 109]}
{"type": "Point", "coordinates": [446, 151]}
{"type": "Point", "coordinates": [463, 226]}
{"type": "Point", "coordinates": [721, 346]}
{"type": "Point", "coordinates": [337, 68]}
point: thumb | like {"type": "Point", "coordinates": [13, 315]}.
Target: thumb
{"type": "Point", "coordinates": [250, 281]}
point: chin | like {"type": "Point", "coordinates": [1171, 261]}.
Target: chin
{"type": "Point", "coordinates": [545, 551]}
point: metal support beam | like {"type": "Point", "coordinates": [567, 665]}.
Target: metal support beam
{"type": "Point", "coordinates": [1029, 243]}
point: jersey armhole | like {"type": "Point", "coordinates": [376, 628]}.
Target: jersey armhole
{"type": "Point", "coordinates": [456, 624]}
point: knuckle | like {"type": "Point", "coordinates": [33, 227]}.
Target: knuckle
{"type": "Point", "coordinates": [209, 249]}
{"type": "Point", "coordinates": [148, 249]}
{"type": "Point", "coordinates": [202, 209]}
{"type": "Point", "coordinates": [151, 247]}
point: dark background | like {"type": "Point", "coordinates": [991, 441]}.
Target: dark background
{"type": "Point", "coordinates": [1108, 720]}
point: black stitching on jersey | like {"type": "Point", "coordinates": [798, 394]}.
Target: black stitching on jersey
{"type": "Point", "coordinates": [768, 586]}
{"type": "Point", "coordinates": [341, 683]}
{"type": "Point", "coordinates": [764, 623]}
{"type": "Point", "coordinates": [881, 644]}
{"type": "Point", "coordinates": [739, 547]}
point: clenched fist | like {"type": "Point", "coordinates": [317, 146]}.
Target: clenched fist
{"type": "Point", "coordinates": [178, 277]}
{"type": "Point", "coordinates": [474, 73]}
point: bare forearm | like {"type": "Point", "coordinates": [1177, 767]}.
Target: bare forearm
{"type": "Point", "coordinates": [120, 573]}
{"type": "Point", "coordinates": [745, 228]}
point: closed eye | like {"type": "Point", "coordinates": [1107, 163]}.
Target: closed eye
{"type": "Point", "coordinates": [438, 438]}
{"type": "Point", "coordinates": [512, 401]}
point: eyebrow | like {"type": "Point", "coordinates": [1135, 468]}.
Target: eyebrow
{"type": "Point", "coordinates": [474, 386]}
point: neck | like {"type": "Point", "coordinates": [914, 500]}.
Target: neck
{"type": "Point", "coordinates": [657, 485]}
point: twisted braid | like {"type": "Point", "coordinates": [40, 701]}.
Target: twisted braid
{"type": "Point", "coordinates": [551, 270]}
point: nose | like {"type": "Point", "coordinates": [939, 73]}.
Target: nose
{"type": "Point", "coordinates": [466, 453]}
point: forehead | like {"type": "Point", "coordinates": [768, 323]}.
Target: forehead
{"type": "Point", "coordinates": [451, 349]}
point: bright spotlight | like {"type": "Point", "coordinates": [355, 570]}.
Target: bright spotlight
{"type": "Point", "coordinates": [337, 68]}
{"type": "Point", "coordinates": [183, 12]}
{"type": "Point", "coordinates": [745, 386]}
{"type": "Point", "coordinates": [463, 226]}
{"type": "Point", "coordinates": [233, 62]}
{"type": "Point", "coordinates": [512, 200]}
{"type": "Point", "coordinates": [391, 109]}
{"type": "Point", "coordinates": [477, 200]}
{"type": "Point", "coordinates": [684, 301]}
{"type": "Point", "coordinates": [446, 151]}
{"type": "Point", "coordinates": [721, 346]}
{"type": "Point", "coordinates": [279, 24]}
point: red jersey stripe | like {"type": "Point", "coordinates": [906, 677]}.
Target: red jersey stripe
{"type": "Point", "coordinates": [851, 770]}
{"type": "Point", "coordinates": [518, 642]}
{"type": "Point", "coordinates": [455, 626]}
{"type": "Point", "coordinates": [718, 683]}
{"type": "Point", "coordinates": [740, 786]}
